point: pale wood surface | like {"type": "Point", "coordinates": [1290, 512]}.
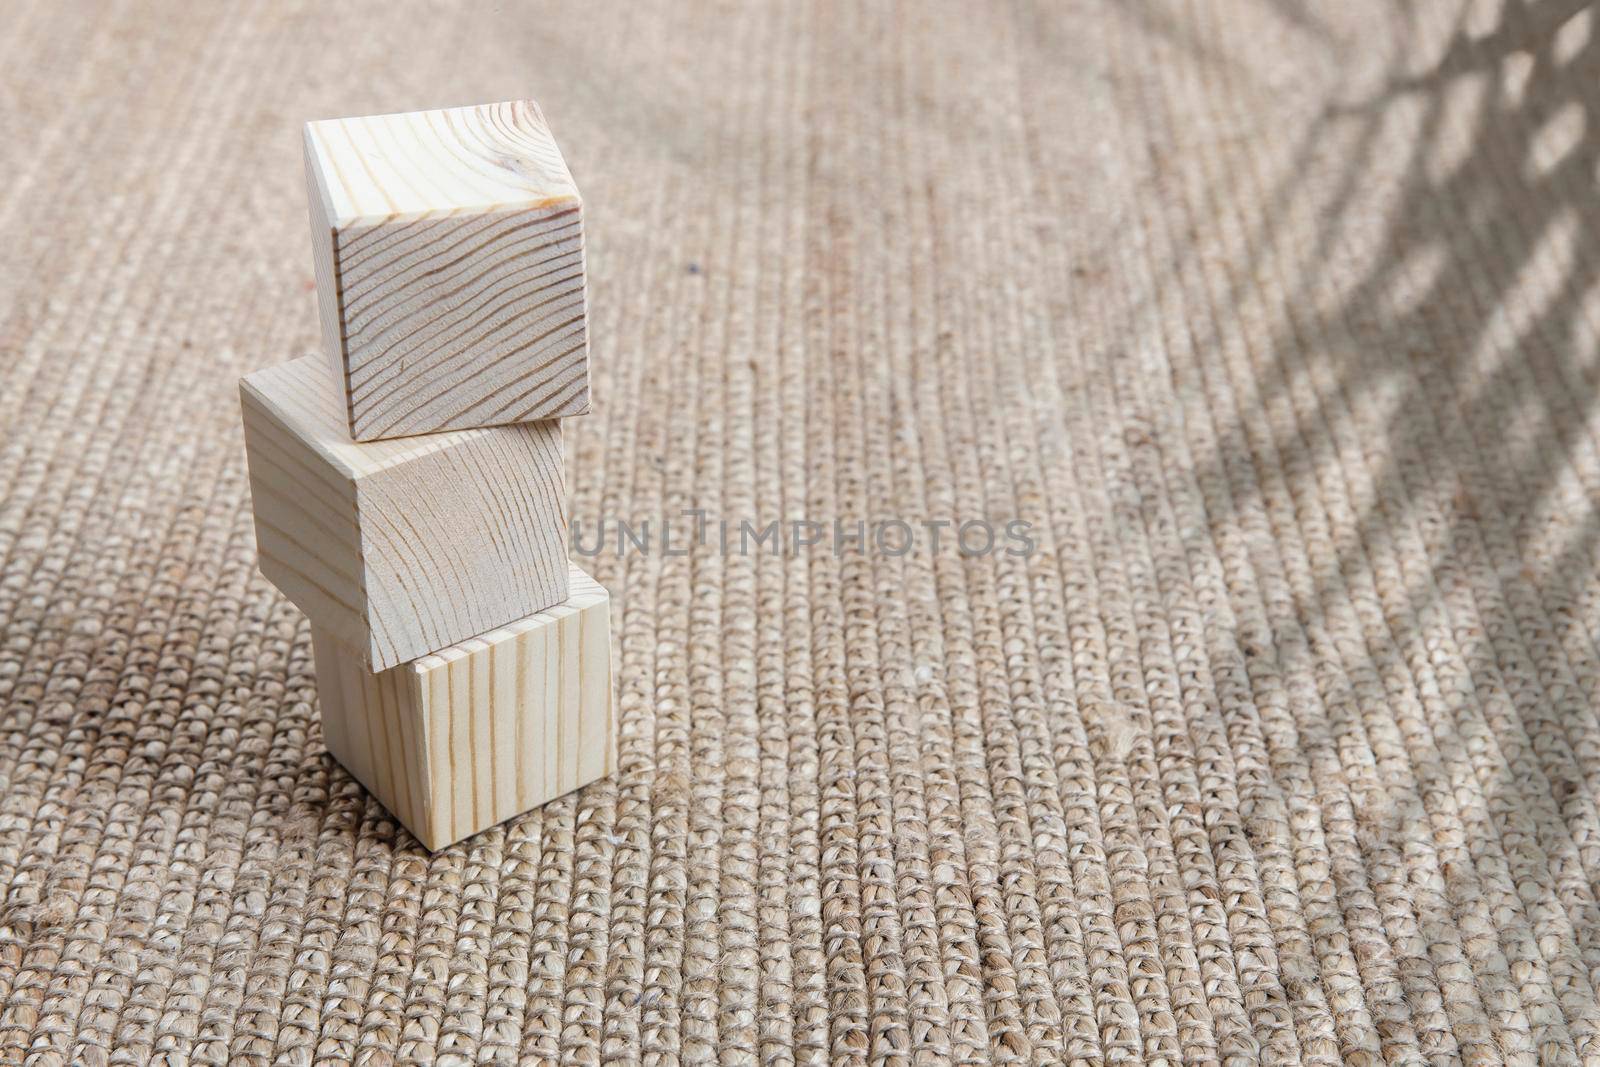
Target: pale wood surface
{"type": "Point", "coordinates": [450, 268]}
{"type": "Point", "coordinates": [460, 740]}
{"type": "Point", "coordinates": [401, 547]}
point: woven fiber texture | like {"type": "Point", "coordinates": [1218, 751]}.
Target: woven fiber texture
{"type": "Point", "coordinates": [1276, 325]}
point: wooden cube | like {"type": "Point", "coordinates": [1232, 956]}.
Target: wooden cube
{"type": "Point", "coordinates": [398, 548]}
{"type": "Point", "coordinates": [449, 262]}
{"type": "Point", "coordinates": [455, 742]}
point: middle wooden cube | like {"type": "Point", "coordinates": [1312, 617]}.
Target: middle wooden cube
{"type": "Point", "coordinates": [400, 548]}
{"type": "Point", "coordinates": [449, 259]}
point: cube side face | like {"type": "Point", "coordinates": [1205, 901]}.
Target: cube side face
{"type": "Point", "coordinates": [307, 527]}
{"type": "Point", "coordinates": [458, 541]}
{"type": "Point", "coordinates": [373, 724]}
{"type": "Point", "coordinates": [526, 715]}
{"type": "Point", "coordinates": [463, 321]}
{"type": "Point", "coordinates": [325, 262]}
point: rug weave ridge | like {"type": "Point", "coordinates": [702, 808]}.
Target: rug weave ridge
{"type": "Point", "coordinates": [1276, 325]}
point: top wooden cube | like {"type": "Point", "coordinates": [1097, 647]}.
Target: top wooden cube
{"type": "Point", "coordinates": [449, 261]}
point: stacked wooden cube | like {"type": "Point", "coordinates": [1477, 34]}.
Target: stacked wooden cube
{"type": "Point", "coordinates": [407, 484]}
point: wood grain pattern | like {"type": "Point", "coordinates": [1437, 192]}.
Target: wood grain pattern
{"type": "Point", "coordinates": [450, 268]}
{"type": "Point", "coordinates": [401, 547]}
{"type": "Point", "coordinates": [460, 740]}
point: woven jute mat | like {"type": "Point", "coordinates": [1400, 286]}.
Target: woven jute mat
{"type": "Point", "coordinates": [1273, 325]}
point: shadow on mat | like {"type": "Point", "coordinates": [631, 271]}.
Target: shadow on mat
{"type": "Point", "coordinates": [1491, 346]}
{"type": "Point", "coordinates": [1467, 341]}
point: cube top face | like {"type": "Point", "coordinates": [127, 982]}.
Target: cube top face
{"type": "Point", "coordinates": [421, 164]}
{"type": "Point", "coordinates": [449, 258]}
{"type": "Point", "coordinates": [399, 548]}
{"type": "Point", "coordinates": [302, 396]}
{"type": "Point", "coordinates": [583, 592]}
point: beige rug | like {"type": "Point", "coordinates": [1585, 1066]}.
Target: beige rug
{"type": "Point", "coordinates": [1276, 325]}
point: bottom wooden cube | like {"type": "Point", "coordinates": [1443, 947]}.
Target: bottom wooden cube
{"type": "Point", "coordinates": [459, 740]}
